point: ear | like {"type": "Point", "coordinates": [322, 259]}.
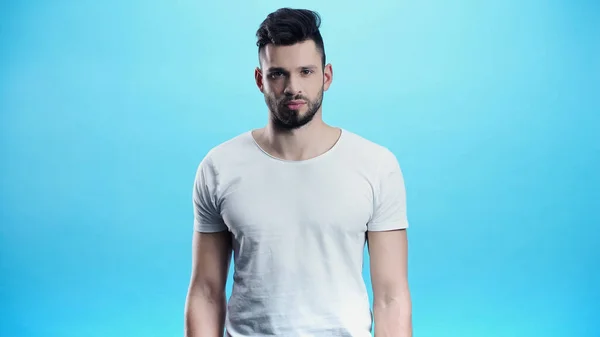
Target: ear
{"type": "Point", "coordinates": [327, 76]}
{"type": "Point", "coordinates": [258, 78]}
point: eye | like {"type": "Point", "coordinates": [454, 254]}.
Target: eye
{"type": "Point", "coordinates": [307, 71]}
{"type": "Point", "coordinates": [275, 74]}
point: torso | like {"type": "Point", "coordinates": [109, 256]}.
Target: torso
{"type": "Point", "coordinates": [298, 236]}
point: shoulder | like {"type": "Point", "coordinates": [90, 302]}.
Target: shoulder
{"type": "Point", "coordinates": [230, 148]}
{"type": "Point", "coordinates": [226, 153]}
{"type": "Point", "coordinates": [367, 151]}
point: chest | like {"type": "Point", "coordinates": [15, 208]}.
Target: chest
{"type": "Point", "coordinates": [287, 203]}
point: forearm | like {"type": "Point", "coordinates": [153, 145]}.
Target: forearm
{"type": "Point", "coordinates": [393, 317]}
{"type": "Point", "coordinates": [204, 315]}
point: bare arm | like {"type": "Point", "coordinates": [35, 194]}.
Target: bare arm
{"type": "Point", "coordinates": [392, 307]}
{"type": "Point", "coordinates": [205, 304]}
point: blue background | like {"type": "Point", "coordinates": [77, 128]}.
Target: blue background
{"type": "Point", "coordinates": [492, 108]}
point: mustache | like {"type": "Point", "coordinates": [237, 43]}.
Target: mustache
{"type": "Point", "coordinates": [289, 99]}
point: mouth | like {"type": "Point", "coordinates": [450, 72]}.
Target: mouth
{"type": "Point", "coordinates": [295, 105]}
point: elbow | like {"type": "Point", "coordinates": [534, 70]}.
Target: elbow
{"type": "Point", "coordinates": [393, 314]}
{"type": "Point", "coordinates": [205, 292]}
{"type": "Point", "coordinates": [395, 299]}
{"type": "Point", "coordinates": [402, 304]}
{"type": "Point", "coordinates": [204, 312]}
{"type": "Point", "coordinates": [202, 296]}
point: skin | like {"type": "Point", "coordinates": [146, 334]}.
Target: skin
{"type": "Point", "coordinates": [286, 73]}
{"type": "Point", "coordinates": [294, 72]}
{"type": "Point", "coordinates": [205, 303]}
{"type": "Point", "coordinates": [392, 307]}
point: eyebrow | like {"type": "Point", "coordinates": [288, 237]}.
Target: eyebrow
{"type": "Point", "coordinates": [280, 69]}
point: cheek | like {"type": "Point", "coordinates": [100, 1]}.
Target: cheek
{"type": "Point", "coordinates": [315, 90]}
{"type": "Point", "coordinates": [274, 85]}
{"type": "Point", "coordinates": [316, 84]}
{"type": "Point", "coordinates": [271, 98]}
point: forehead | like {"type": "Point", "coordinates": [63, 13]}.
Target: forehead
{"type": "Point", "coordinates": [300, 54]}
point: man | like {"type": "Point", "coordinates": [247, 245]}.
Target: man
{"type": "Point", "coordinates": [296, 201]}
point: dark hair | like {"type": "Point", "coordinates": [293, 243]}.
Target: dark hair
{"type": "Point", "coordinates": [287, 26]}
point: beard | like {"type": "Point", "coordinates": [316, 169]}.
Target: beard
{"type": "Point", "coordinates": [285, 118]}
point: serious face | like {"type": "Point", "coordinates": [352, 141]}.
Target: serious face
{"type": "Point", "coordinates": [293, 80]}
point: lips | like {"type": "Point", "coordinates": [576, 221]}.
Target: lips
{"type": "Point", "coordinates": [296, 104]}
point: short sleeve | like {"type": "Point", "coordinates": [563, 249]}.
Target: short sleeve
{"type": "Point", "coordinates": [207, 216]}
{"type": "Point", "coordinates": [389, 206]}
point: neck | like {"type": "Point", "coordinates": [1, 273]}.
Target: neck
{"type": "Point", "coordinates": [309, 141]}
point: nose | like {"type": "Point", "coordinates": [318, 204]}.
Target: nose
{"type": "Point", "coordinates": [291, 87]}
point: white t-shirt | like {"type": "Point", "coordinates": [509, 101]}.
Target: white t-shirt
{"type": "Point", "coordinates": [298, 231]}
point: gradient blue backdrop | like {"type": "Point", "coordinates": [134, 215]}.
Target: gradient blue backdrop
{"type": "Point", "coordinates": [492, 108]}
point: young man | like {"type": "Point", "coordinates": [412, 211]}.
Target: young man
{"type": "Point", "coordinates": [296, 201]}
